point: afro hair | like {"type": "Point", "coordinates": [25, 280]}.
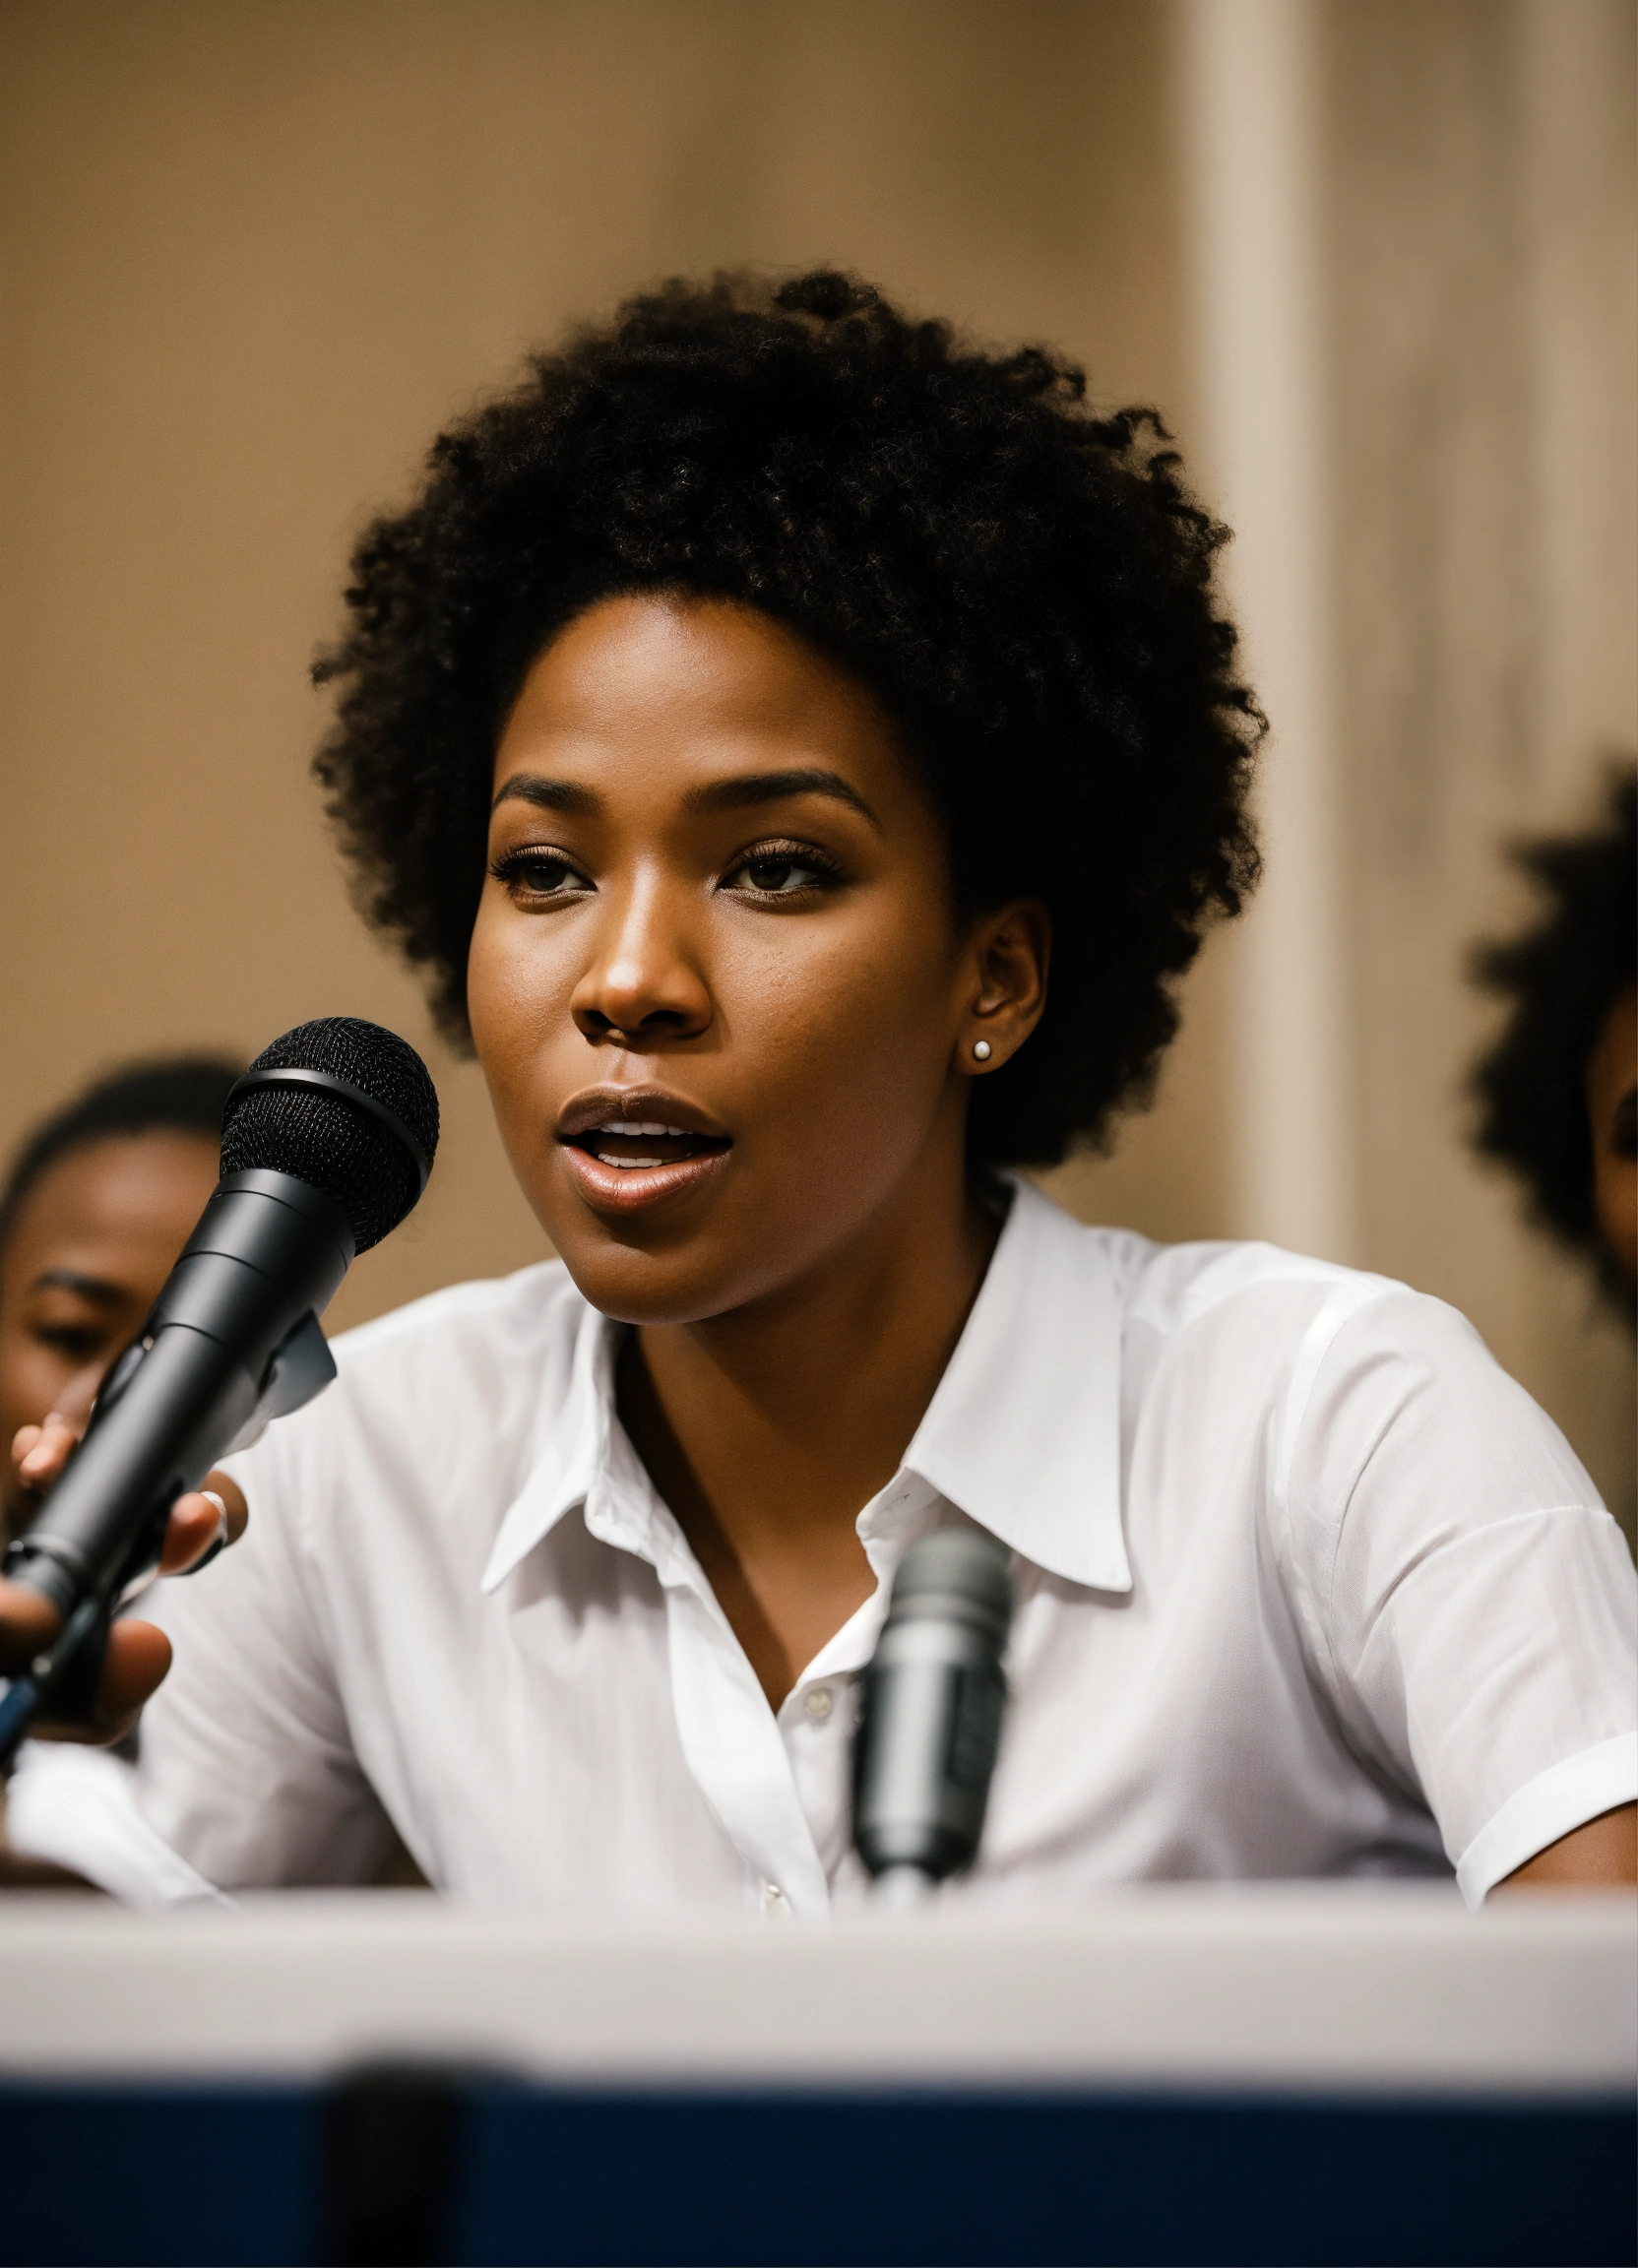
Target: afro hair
{"type": "Point", "coordinates": [1025, 586]}
{"type": "Point", "coordinates": [1562, 979]}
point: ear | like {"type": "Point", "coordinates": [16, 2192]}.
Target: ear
{"type": "Point", "coordinates": [1006, 965]}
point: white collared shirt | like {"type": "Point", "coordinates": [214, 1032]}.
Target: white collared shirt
{"type": "Point", "coordinates": [1306, 1586]}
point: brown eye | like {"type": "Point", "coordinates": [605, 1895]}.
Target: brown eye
{"type": "Point", "coordinates": [774, 875]}
{"type": "Point", "coordinates": [782, 870]}
{"type": "Point", "coordinates": [79, 1342]}
{"type": "Point", "coordinates": [538, 873]}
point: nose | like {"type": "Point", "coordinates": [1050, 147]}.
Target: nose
{"type": "Point", "coordinates": [645, 982]}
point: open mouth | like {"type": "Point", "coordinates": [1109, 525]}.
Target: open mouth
{"type": "Point", "coordinates": [639, 1145]}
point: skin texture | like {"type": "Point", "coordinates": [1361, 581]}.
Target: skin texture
{"type": "Point", "coordinates": [1605, 1850]}
{"type": "Point", "coordinates": [797, 1303]}
{"type": "Point", "coordinates": [1613, 1113]}
{"type": "Point", "coordinates": [110, 1217]}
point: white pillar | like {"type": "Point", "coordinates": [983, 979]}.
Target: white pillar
{"type": "Point", "coordinates": [1252, 147]}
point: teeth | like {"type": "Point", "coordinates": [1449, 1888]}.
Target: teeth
{"type": "Point", "coordinates": [630, 1126]}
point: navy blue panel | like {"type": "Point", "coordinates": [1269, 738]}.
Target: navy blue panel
{"type": "Point", "coordinates": [157, 2175]}
{"type": "Point", "coordinates": [193, 2175]}
{"type": "Point", "coordinates": [904, 2179]}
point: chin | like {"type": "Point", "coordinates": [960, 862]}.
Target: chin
{"type": "Point", "coordinates": [678, 1271]}
{"type": "Point", "coordinates": [632, 1285]}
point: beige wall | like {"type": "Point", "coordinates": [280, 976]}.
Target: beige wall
{"type": "Point", "coordinates": [253, 251]}
{"type": "Point", "coordinates": [1484, 269]}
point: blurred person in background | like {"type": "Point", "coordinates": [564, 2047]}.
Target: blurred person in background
{"type": "Point", "coordinates": [1559, 1089]}
{"type": "Point", "coordinates": [746, 716]}
{"type": "Point", "coordinates": [100, 1201]}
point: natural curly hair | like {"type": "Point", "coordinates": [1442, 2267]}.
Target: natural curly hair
{"type": "Point", "coordinates": [169, 1095]}
{"type": "Point", "coordinates": [1561, 978]}
{"type": "Point", "coordinates": [1026, 587]}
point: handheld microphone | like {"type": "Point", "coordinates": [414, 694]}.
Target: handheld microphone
{"type": "Point", "coordinates": [930, 1715]}
{"type": "Point", "coordinates": [326, 1142]}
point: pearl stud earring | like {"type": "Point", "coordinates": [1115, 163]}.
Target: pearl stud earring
{"type": "Point", "coordinates": [980, 1049]}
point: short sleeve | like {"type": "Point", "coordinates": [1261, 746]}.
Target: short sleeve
{"type": "Point", "coordinates": [1472, 1606]}
{"type": "Point", "coordinates": [246, 1769]}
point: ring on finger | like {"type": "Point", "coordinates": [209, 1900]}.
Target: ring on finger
{"type": "Point", "coordinates": [219, 1542]}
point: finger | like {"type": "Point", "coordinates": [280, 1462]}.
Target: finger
{"type": "Point", "coordinates": [209, 1518]}
{"type": "Point", "coordinates": [41, 1451]}
{"type": "Point", "coordinates": [29, 1622]}
{"type": "Point", "coordinates": [135, 1664]}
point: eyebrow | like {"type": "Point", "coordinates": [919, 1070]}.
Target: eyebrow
{"type": "Point", "coordinates": [734, 795]}
{"type": "Point", "coordinates": [772, 788]}
{"type": "Point", "coordinates": [549, 795]}
{"type": "Point", "coordinates": [96, 1288]}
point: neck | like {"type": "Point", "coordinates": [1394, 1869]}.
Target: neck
{"type": "Point", "coordinates": [768, 1430]}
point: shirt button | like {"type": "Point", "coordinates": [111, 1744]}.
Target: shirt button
{"type": "Point", "coordinates": [775, 1904]}
{"type": "Point", "coordinates": [817, 1701]}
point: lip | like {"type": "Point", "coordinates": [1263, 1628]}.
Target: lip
{"type": "Point", "coordinates": [620, 1190]}
{"type": "Point", "coordinates": [595, 1106]}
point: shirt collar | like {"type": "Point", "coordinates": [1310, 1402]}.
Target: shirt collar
{"type": "Point", "coordinates": [572, 1448]}
{"type": "Point", "coordinates": [1023, 1433]}
{"type": "Point", "coordinates": [1024, 1430]}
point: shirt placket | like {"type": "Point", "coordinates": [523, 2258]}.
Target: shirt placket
{"type": "Point", "coordinates": [820, 1713]}
{"type": "Point", "coordinates": [729, 1738]}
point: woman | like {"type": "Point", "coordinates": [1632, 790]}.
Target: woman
{"type": "Point", "coordinates": [750, 716]}
{"type": "Point", "coordinates": [100, 1200]}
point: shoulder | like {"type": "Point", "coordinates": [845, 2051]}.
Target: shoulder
{"type": "Point", "coordinates": [1198, 1299]}
{"type": "Point", "coordinates": [1277, 1318]}
{"type": "Point", "coordinates": [465, 1377]}
{"type": "Point", "coordinates": [1275, 1336]}
{"type": "Point", "coordinates": [491, 1324]}
{"type": "Point", "coordinates": [1361, 1391]}
{"type": "Point", "coordinates": [1212, 1288]}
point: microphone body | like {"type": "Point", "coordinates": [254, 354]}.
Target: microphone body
{"type": "Point", "coordinates": [232, 1340]}
{"type": "Point", "coordinates": [930, 1715]}
{"type": "Point", "coordinates": [327, 1142]}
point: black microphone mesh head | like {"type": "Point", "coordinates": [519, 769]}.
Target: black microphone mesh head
{"type": "Point", "coordinates": [365, 1170]}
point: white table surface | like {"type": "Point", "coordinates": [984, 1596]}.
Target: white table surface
{"type": "Point", "coordinates": [1356, 1989]}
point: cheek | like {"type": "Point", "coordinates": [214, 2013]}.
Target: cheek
{"type": "Point", "coordinates": [837, 1023]}
{"type": "Point", "coordinates": [515, 994]}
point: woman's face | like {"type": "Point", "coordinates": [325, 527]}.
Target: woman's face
{"type": "Point", "coordinates": [716, 982]}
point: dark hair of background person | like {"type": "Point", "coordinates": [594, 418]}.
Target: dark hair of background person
{"type": "Point", "coordinates": [1025, 586]}
{"type": "Point", "coordinates": [1561, 978]}
{"type": "Point", "coordinates": [171, 1095]}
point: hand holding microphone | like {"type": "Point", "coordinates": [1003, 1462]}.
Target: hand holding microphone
{"type": "Point", "coordinates": [327, 1142]}
{"type": "Point", "coordinates": [137, 1656]}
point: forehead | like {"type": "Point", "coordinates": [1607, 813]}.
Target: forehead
{"type": "Point", "coordinates": [123, 1197]}
{"type": "Point", "coordinates": [679, 685]}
